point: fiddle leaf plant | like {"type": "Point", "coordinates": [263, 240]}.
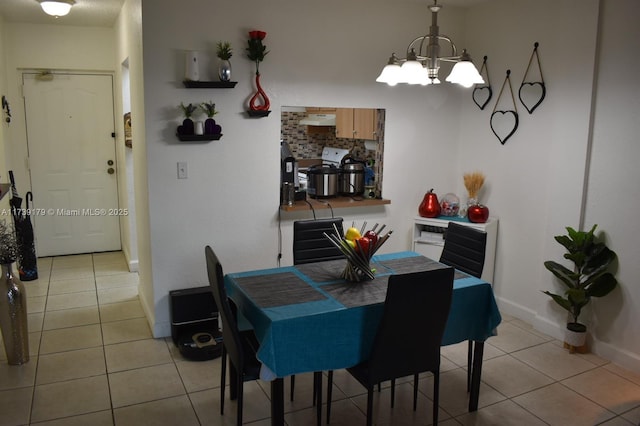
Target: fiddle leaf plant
{"type": "Point", "coordinates": [590, 276]}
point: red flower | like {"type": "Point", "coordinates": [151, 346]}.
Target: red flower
{"type": "Point", "coordinates": [257, 35]}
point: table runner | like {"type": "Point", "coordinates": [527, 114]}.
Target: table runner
{"type": "Point", "coordinates": [279, 290]}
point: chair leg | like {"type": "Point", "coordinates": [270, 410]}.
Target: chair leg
{"type": "Point", "coordinates": [393, 392]}
{"type": "Point", "coordinates": [436, 395]}
{"type": "Point", "coordinates": [293, 385]}
{"type": "Point", "coordinates": [369, 406]}
{"type": "Point", "coordinates": [223, 379]}
{"type": "Point", "coordinates": [329, 394]}
{"type": "Point", "coordinates": [240, 400]}
{"type": "Point", "coordinates": [415, 392]}
{"type": "Point", "coordinates": [469, 363]}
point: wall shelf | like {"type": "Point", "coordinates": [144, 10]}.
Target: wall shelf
{"type": "Point", "coordinates": [198, 138]}
{"type": "Point", "coordinates": [258, 113]}
{"type": "Point", "coordinates": [334, 203]}
{"type": "Point", "coordinates": [209, 84]}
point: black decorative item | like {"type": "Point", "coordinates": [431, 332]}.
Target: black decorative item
{"type": "Point", "coordinates": [482, 94]}
{"type": "Point", "coordinates": [6, 109]}
{"type": "Point", "coordinates": [533, 92]}
{"type": "Point", "coordinates": [498, 117]}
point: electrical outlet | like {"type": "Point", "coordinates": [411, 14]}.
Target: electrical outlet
{"type": "Point", "coordinates": [182, 170]}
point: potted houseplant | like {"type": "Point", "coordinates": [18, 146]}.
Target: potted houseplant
{"type": "Point", "coordinates": [589, 278]}
{"type": "Point", "coordinates": [224, 53]}
{"type": "Point", "coordinates": [210, 126]}
{"type": "Point", "coordinates": [187, 127]}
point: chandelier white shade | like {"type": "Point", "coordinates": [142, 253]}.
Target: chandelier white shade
{"type": "Point", "coordinates": [56, 7]}
{"type": "Point", "coordinates": [422, 63]}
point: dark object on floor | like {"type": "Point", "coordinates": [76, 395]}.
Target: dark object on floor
{"type": "Point", "coordinates": [27, 259]}
{"type": "Point", "coordinates": [194, 323]}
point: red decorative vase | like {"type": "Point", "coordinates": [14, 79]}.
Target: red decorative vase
{"type": "Point", "coordinates": [430, 207]}
{"type": "Point", "coordinates": [254, 102]}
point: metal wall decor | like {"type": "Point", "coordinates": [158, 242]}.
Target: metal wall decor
{"type": "Point", "coordinates": [532, 94]}
{"type": "Point", "coordinates": [482, 93]}
{"type": "Point", "coordinates": [504, 122]}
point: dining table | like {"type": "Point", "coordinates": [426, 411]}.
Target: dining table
{"type": "Point", "coordinates": [309, 319]}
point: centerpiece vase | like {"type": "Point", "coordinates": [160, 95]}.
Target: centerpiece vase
{"type": "Point", "coordinates": [13, 317]}
{"type": "Point", "coordinates": [259, 97]}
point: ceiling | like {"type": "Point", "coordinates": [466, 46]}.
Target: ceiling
{"type": "Point", "coordinates": [103, 13]}
{"type": "Point", "coordinates": [89, 13]}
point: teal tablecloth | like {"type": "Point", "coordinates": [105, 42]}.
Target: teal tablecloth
{"type": "Point", "coordinates": [307, 319]}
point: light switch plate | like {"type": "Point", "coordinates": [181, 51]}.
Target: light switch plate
{"type": "Point", "coordinates": [182, 170]}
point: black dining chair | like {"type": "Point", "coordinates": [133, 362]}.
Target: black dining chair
{"type": "Point", "coordinates": [240, 347]}
{"type": "Point", "coordinates": [409, 335]}
{"type": "Point", "coordinates": [310, 245]}
{"type": "Point", "coordinates": [464, 249]}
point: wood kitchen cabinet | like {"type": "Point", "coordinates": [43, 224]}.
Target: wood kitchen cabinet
{"type": "Point", "coordinates": [356, 123]}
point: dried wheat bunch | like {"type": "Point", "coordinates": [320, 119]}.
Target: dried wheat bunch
{"type": "Point", "coordinates": [473, 182]}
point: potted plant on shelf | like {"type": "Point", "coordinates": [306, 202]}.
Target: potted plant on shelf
{"type": "Point", "coordinates": [589, 278]}
{"type": "Point", "coordinates": [187, 127]}
{"type": "Point", "coordinates": [224, 53]}
{"type": "Point", "coordinates": [210, 126]}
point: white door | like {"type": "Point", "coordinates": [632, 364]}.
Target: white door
{"type": "Point", "coordinates": [70, 122]}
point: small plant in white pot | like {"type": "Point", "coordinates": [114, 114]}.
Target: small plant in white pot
{"type": "Point", "coordinates": [589, 278]}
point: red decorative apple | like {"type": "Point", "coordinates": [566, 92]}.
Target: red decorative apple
{"type": "Point", "coordinates": [478, 213]}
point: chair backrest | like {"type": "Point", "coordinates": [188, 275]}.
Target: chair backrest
{"type": "Point", "coordinates": [464, 249]}
{"type": "Point", "coordinates": [230, 333]}
{"type": "Point", "coordinates": [410, 333]}
{"type": "Point", "coordinates": [309, 242]}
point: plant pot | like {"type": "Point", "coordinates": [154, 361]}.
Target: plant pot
{"type": "Point", "coordinates": [224, 70]}
{"type": "Point", "coordinates": [575, 337]}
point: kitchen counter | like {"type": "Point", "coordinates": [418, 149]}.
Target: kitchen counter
{"type": "Point", "coordinates": [334, 203]}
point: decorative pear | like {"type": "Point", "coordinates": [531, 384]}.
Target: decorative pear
{"type": "Point", "coordinates": [430, 207]}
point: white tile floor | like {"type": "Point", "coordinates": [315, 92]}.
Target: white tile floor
{"type": "Point", "coordinates": [94, 362]}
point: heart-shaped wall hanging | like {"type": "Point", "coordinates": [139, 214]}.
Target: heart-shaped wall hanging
{"type": "Point", "coordinates": [532, 94]}
{"type": "Point", "coordinates": [482, 94]}
{"type": "Point", "coordinates": [504, 124]}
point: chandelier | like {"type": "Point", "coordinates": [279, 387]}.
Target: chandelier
{"type": "Point", "coordinates": [422, 62]}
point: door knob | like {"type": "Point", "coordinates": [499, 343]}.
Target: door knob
{"type": "Point", "coordinates": [110, 162]}
{"type": "Point", "coordinates": [111, 170]}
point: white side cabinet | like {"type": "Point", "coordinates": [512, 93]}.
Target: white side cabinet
{"type": "Point", "coordinates": [429, 234]}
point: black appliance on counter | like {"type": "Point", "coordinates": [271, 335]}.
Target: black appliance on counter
{"type": "Point", "coordinates": [194, 323]}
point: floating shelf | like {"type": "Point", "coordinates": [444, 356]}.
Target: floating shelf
{"type": "Point", "coordinates": [258, 114]}
{"type": "Point", "coordinates": [209, 84]}
{"type": "Point", "coordinates": [199, 138]}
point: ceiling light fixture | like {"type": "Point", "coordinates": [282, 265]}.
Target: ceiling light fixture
{"type": "Point", "coordinates": [422, 63]}
{"type": "Point", "coordinates": [56, 8]}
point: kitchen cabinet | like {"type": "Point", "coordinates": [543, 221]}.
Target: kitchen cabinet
{"type": "Point", "coordinates": [429, 235]}
{"type": "Point", "coordinates": [356, 123]}
{"type": "Point", "coordinates": [321, 110]}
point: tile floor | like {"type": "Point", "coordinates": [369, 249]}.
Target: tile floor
{"type": "Point", "coordinates": [94, 362]}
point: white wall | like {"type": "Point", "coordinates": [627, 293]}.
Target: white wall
{"type": "Point", "coordinates": [230, 200]}
{"type": "Point", "coordinates": [613, 196]}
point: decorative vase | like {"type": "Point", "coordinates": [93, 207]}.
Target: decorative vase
{"type": "Point", "coordinates": [13, 317]}
{"type": "Point", "coordinates": [255, 99]}
{"type": "Point", "coordinates": [211, 128]}
{"type": "Point", "coordinates": [224, 70]}
{"type": "Point", "coordinates": [192, 66]}
{"type": "Point", "coordinates": [188, 128]}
